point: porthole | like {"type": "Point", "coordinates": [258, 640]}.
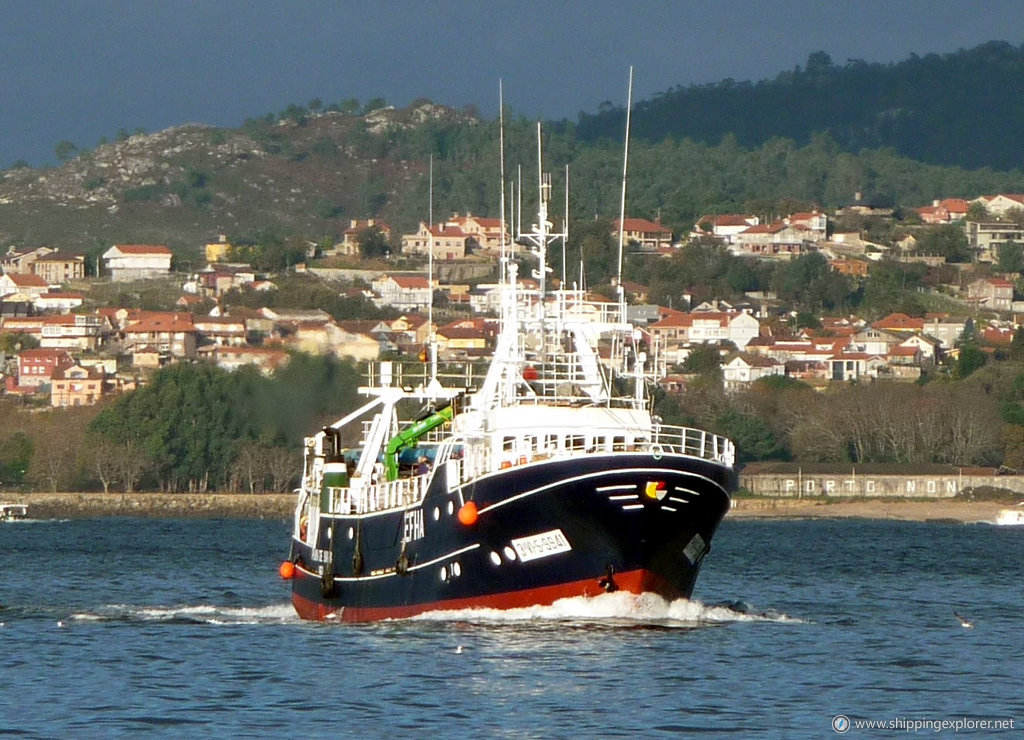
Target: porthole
{"type": "Point", "coordinates": [437, 513]}
{"type": "Point", "coordinates": [451, 508]}
{"type": "Point", "coordinates": [444, 573]}
{"type": "Point", "coordinates": [495, 558]}
{"type": "Point", "coordinates": [351, 533]}
{"type": "Point", "coordinates": [510, 553]}
{"type": "Point", "coordinates": [456, 570]}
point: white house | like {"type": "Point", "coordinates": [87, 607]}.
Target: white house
{"type": "Point", "coordinates": [724, 226]}
{"type": "Point", "coordinates": [16, 286]}
{"type": "Point", "coordinates": [402, 291]}
{"type": "Point", "coordinates": [446, 242]}
{"type": "Point", "coordinates": [137, 261]}
{"type": "Point", "coordinates": [743, 369]}
{"type": "Point", "coordinates": [998, 205]}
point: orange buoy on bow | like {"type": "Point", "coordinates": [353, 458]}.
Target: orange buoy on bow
{"type": "Point", "coordinates": [468, 513]}
{"type": "Point", "coordinates": [287, 569]}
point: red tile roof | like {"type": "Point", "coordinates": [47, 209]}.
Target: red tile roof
{"type": "Point", "coordinates": [27, 280]}
{"type": "Point", "coordinates": [640, 224]}
{"type": "Point", "coordinates": [899, 322]}
{"type": "Point", "coordinates": [410, 281]}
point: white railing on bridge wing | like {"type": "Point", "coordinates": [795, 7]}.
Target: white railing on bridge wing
{"type": "Point", "coordinates": [396, 494]}
{"type": "Point", "coordinates": [663, 439]}
{"type": "Point", "coordinates": [694, 442]}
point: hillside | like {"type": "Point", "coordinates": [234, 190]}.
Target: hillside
{"type": "Point", "coordinates": [963, 109]}
{"type": "Point", "coordinates": [296, 176]}
{"type": "Point", "coordinates": [305, 174]}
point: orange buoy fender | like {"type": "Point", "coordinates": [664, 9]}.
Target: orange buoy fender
{"type": "Point", "coordinates": [468, 513]}
{"type": "Point", "coordinates": [287, 570]}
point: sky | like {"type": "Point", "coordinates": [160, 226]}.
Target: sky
{"type": "Point", "coordinates": [83, 70]}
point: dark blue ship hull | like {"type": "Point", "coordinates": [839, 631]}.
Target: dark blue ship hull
{"type": "Point", "coordinates": [540, 532]}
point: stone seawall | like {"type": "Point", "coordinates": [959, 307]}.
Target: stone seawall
{"type": "Point", "coordinates": [853, 484]}
{"type": "Point", "coordinates": [166, 505]}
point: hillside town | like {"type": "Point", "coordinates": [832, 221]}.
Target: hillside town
{"type": "Point", "coordinates": [62, 350]}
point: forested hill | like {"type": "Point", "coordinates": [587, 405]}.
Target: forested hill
{"type": "Point", "coordinates": [964, 109]}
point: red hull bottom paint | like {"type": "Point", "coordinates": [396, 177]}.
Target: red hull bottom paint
{"type": "Point", "coordinates": [634, 582]}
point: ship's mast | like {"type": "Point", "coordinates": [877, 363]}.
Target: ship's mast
{"type": "Point", "coordinates": [432, 341]}
{"type": "Point", "coordinates": [622, 200]}
{"type": "Point", "coordinates": [501, 140]}
{"type": "Point", "coordinates": [542, 234]}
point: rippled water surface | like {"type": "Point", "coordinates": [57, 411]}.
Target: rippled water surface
{"type": "Point", "coordinates": [181, 628]}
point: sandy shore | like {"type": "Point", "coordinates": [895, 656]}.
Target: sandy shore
{"type": "Point", "coordinates": [915, 511]}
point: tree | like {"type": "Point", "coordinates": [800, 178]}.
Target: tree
{"type": "Point", "coordinates": [58, 435]}
{"type": "Point", "coordinates": [704, 359]}
{"type": "Point", "coordinates": [1015, 215]}
{"type": "Point", "coordinates": [103, 456]}
{"type": "Point", "coordinates": [132, 465]}
{"type": "Point", "coordinates": [372, 242]}
{"type": "Point", "coordinates": [1017, 344]}
{"type": "Point", "coordinates": [976, 211]}
{"type": "Point", "coordinates": [950, 241]}
{"type": "Point", "coordinates": [123, 463]}
{"type": "Point", "coordinates": [65, 151]}
{"type": "Point", "coordinates": [250, 468]}
{"type": "Point", "coordinates": [970, 359]}
{"type": "Point", "coordinates": [753, 437]}
{"type": "Point", "coordinates": [15, 456]}
{"type": "Point", "coordinates": [12, 343]}
{"type": "Point", "coordinates": [888, 282]}
{"type": "Point", "coordinates": [187, 420]}
{"type": "Point", "coordinates": [1010, 257]}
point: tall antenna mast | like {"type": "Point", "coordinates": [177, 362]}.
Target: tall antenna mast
{"type": "Point", "coordinates": [565, 230]}
{"type": "Point", "coordinates": [543, 193]}
{"type": "Point", "coordinates": [501, 139]}
{"type": "Point", "coordinates": [622, 201]}
{"type": "Point", "coordinates": [432, 342]}
{"type": "Point", "coordinates": [519, 201]}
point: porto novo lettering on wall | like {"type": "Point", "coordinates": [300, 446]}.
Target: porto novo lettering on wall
{"type": "Point", "coordinates": [853, 483]}
{"type": "Point", "coordinates": [870, 487]}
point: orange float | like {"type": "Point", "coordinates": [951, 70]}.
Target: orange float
{"type": "Point", "coordinates": [287, 570]}
{"type": "Point", "coordinates": [468, 513]}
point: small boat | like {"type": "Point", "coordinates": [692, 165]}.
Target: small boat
{"type": "Point", "coordinates": [1011, 517]}
{"type": "Point", "coordinates": [544, 475]}
{"type": "Point", "coordinates": [13, 512]}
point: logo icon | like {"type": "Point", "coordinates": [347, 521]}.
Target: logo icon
{"type": "Point", "coordinates": [840, 723]}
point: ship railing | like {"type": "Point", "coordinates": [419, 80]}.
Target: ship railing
{"type": "Point", "coordinates": [692, 442]}
{"type": "Point", "coordinates": [658, 440]}
{"type": "Point", "coordinates": [468, 374]}
{"type": "Point", "coordinates": [389, 495]}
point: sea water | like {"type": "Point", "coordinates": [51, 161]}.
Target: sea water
{"type": "Point", "coordinates": [182, 628]}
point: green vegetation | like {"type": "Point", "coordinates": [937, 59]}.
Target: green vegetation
{"type": "Point", "coordinates": [925, 108]}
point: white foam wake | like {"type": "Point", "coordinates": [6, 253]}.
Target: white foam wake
{"type": "Point", "coordinates": [619, 608]}
{"type": "Point", "coordinates": [196, 614]}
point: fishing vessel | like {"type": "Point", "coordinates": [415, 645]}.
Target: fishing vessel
{"type": "Point", "coordinates": [13, 512]}
{"type": "Point", "coordinates": [1011, 517]}
{"type": "Point", "coordinates": [543, 477]}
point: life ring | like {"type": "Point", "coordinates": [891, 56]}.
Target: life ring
{"type": "Point", "coordinates": [303, 527]}
{"type": "Point", "coordinates": [656, 451]}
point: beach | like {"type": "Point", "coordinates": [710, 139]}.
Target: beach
{"type": "Point", "coordinates": [281, 506]}
{"type": "Point", "coordinates": [916, 510]}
